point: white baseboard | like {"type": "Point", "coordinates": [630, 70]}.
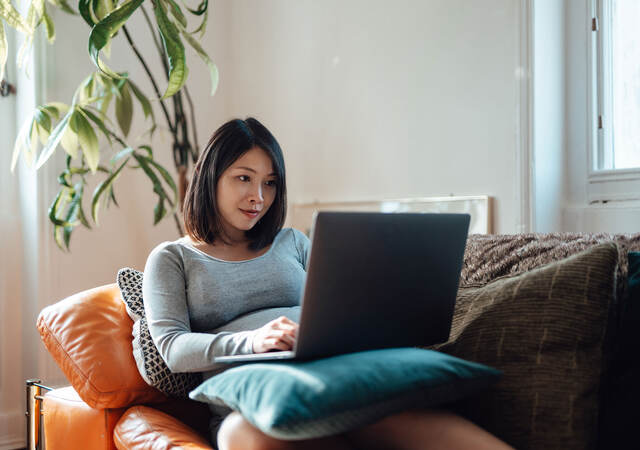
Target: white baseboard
{"type": "Point", "coordinates": [13, 430]}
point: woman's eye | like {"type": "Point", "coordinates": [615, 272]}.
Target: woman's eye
{"type": "Point", "coordinates": [243, 178]}
{"type": "Point", "coordinates": [271, 183]}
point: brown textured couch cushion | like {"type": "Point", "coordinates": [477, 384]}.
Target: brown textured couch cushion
{"type": "Point", "coordinates": [488, 256]}
{"type": "Point", "coordinates": [544, 329]}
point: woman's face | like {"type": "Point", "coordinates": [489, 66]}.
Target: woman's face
{"type": "Point", "coordinates": [245, 192]}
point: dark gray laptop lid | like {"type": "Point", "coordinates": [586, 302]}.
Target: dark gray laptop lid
{"type": "Point", "coordinates": [377, 280]}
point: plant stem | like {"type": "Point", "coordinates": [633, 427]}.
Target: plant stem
{"type": "Point", "coordinates": [153, 81]}
{"type": "Point", "coordinates": [196, 149]}
{"type": "Point", "coordinates": [115, 136]}
{"type": "Point", "coordinates": [178, 224]}
{"type": "Point", "coordinates": [181, 145]}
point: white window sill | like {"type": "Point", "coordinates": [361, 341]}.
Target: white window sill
{"type": "Point", "coordinates": [606, 186]}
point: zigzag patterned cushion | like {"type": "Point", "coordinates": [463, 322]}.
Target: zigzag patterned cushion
{"type": "Point", "coordinates": [150, 364]}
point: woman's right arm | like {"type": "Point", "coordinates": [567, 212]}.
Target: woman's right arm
{"type": "Point", "coordinates": [166, 310]}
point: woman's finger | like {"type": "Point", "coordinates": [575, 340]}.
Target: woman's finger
{"type": "Point", "coordinates": [276, 344]}
{"type": "Point", "coordinates": [284, 336]}
{"type": "Point", "coordinates": [285, 320]}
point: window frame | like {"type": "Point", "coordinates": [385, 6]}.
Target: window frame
{"type": "Point", "coordinates": [603, 185]}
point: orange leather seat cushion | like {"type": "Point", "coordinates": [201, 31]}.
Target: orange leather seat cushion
{"type": "Point", "coordinates": [143, 427]}
{"type": "Point", "coordinates": [70, 424]}
{"type": "Point", "coordinates": [89, 336]}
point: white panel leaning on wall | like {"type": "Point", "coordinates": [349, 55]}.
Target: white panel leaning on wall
{"type": "Point", "coordinates": [479, 207]}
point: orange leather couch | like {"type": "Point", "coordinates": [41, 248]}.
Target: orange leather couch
{"type": "Point", "coordinates": [108, 404]}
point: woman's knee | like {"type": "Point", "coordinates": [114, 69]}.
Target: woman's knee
{"type": "Point", "coordinates": [236, 433]}
{"type": "Point", "coordinates": [420, 429]}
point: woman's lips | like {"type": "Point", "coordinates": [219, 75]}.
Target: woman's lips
{"type": "Point", "coordinates": [250, 214]}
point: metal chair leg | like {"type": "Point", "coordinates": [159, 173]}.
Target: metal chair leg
{"type": "Point", "coordinates": [34, 411]}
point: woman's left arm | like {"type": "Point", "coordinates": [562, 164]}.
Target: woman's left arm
{"type": "Point", "coordinates": [167, 313]}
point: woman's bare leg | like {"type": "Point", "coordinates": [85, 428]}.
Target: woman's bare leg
{"type": "Point", "coordinates": [413, 430]}
{"type": "Point", "coordinates": [237, 433]}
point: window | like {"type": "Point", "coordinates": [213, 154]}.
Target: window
{"type": "Point", "coordinates": [614, 162]}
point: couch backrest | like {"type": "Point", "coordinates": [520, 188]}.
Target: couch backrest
{"type": "Point", "coordinates": [89, 336]}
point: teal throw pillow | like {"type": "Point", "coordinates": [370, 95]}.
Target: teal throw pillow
{"type": "Point", "coordinates": [310, 399]}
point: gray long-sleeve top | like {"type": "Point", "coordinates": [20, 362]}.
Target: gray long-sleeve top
{"type": "Point", "coordinates": [189, 296]}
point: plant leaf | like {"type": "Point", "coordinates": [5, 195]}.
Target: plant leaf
{"type": "Point", "coordinates": [95, 202]}
{"type": "Point", "coordinates": [86, 92]}
{"type": "Point", "coordinates": [54, 140]}
{"type": "Point", "coordinates": [102, 8]}
{"type": "Point", "coordinates": [32, 144]}
{"type": "Point", "coordinates": [35, 13]}
{"type": "Point", "coordinates": [42, 117]}
{"type": "Point", "coordinates": [176, 12]}
{"type": "Point", "coordinates": [121, 154]}
{"type": "Point", "coordinates": [54, 109]}
{"type": "Point", "coordinates": [43, 134]}
{"type": "Point", "coordinates": [165, 175]}
{"type": "Point", "coordinates": [69, 142]}
{"type": "Point", "coordinates": [58, 204]}
{"type": "Point", "coordinates": [124, 109]}
{"type": "Point", "coordinates": [203, 25]}
{"type": "Point", "coordinates": [102, 32]}
{"type": "Point", "coordinates": [103, 106]}
{"type": "Point", "coordinates": [48, 23]}
{"type": "Point", "coordinates": [144, 101]}
{"type": "Point", "coordinates": [83, 217]}
{"type": "Point", "coordinates": [62, 4]}
{"type": "Point", "coordinates": [43, 125]}
{"type": "Point", "coordinates": [174, 49]}
{"type": "Point", "coordinates": [4, 53]}
{"type": "Point", "coordinates": [112, 196]}
{"type": "Point", "coordinates": [157, 185]}
{"type": "Point", "coordinates": [95, 119]}
{"type": "Point", "coordinates": [159, 211]}
{"type": "Point", "coordinates": [147, 149]}
{"type": "Point", "coordinates": [73, 213]}
{"type": "Point", "coordinates": [213, 70]}
{"type": "Point", "coordinates": [57, 236]}
{"type": "Point", "coordinates": [85, 12]}
{"type": "Point", "coordinates": [88, 140]}
{"type": "Point", "coordinates": [202, 8]}
{"type": "Point", "coordinates": [22, 53]}
{"type": "Point", "coordinates": [34, 17]}
{"type": "Point", "coordinates": [19, 145]}
{"type": "Point", "coordinates": [13, 17]}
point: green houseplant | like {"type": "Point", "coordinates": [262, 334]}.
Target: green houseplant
{"type": "Point", "coordinates": [102, 107]}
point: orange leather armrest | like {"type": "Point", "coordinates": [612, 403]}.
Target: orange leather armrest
{"type": "Point", "coordinates": [144, 427]}
{"type": "Point", "coordinates": [71, 424]}
{"type": "Point", "coordinates": [89, 336]}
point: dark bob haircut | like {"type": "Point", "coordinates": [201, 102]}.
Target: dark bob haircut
{"type": "Point", "coordinates": [228, 143]}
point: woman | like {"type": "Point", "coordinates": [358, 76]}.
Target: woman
{"type": "Point", "coordinates": [238, 269]}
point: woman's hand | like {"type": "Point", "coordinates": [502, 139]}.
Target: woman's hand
{"type": "Point", "coordinates": [279, 334]}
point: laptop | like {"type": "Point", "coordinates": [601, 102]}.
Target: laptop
{"type": "Point", "coordinates": [376, 280]}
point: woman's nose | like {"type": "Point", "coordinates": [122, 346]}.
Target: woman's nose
{"type": "Point", "coordinates": [256, 194]}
